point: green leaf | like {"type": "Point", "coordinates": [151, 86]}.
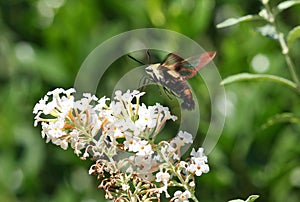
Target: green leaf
{"type": "Point", "coordinates": [293, 35]}
{"type": "Point", "coordinates": [280, 118]}
{"type": "Point", "coordinates": [252, 198]}
{"type": "Point", "coordinates": [249, 199]}
{"type": "Point", "coordinates": [233, 21]}
{"type": "Point", "coordinates": [247, 76]}
{"type": "Point", "coordinates": [286, 4]}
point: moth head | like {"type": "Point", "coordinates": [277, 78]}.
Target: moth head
{"type": "Point", "coordinates": [149, 69]}
{"type": "Point", "coordinates": [153, 70]}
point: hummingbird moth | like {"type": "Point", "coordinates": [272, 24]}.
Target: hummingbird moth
{"type": "Point", "coordinates": [173, 72]}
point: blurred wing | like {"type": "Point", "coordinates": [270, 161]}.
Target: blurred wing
{"type": "Point", "coordinates": [189, 67]}
{"type": "Point", "coordinates": [172, 62]}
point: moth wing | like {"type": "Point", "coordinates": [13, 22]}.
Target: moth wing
{"type": "Point", "coordinates": [172, 62]}
{"type": "Point", "coordinates": [190, 66]}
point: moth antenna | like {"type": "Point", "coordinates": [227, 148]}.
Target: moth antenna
{"type": "Point", "coordinates": [148, 55]}
{"type": "Point", "coordinates": [135, 60]}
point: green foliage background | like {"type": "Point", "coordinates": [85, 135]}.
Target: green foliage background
{"type": "Point", "coordinates": [43, 43]}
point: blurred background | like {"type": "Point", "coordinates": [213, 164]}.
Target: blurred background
{"type": "Point", "coordinates": [43, 44]}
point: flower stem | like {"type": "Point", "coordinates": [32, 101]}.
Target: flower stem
{"type": "Point", "coordinates": [183, 183]}
{"type": "Point", "coordinates": [284, 47]}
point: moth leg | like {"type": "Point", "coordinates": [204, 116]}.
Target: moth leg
{"type": "Point", "coordinates": [159, 90]}
{"type": "Point", "coordinates": [170, 93]}
{"type": "Point", "coordinates": [144, 81]}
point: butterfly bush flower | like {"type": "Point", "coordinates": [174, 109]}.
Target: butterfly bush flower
{"type": "Point", "coordinates": [120, 134]}
{"type": "Point", "coordinates": [182, 196]}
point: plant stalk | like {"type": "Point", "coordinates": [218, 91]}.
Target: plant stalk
{"type": "Point", "coordinates": [284, 48]}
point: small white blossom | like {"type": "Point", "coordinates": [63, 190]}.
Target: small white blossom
{"type": "Point", "coordinates": [198, 169]}
{"type": "Point", "coordinates": [200, 155]}
{"type": "Point", "coordinates": [192, 184]}
{"type": "Point", "coordinates": [164, 189]}
{"type": "Point", "coordinates": [182, 196]}
{"type": "Point", "coordinates": [132, 144]}
{"type": "Point", "coordinates": [41, 105]}
{"type": "Point", "coordinates": [118, 95]}
{"type": "Point", "coordinates": [176, 143]}
{"type": "Point", "coordinates": [101, 104]}
{"type": "Point", "coordinates": [64, 144]}
{"type": "Point", "coordinates": [147, 117]}
{"type": "Point", "coordinates": [127, 97]}
{"type": "Point", "coordinates": [198, 162]}
{"type": "Point", "coordinates": [145, 148]}
{"type": "Point", "coordinates": [185, 137]}
{"type": "Point", "coordinates": [116, 108]}
{"type": "Point", "coordinates": [162, 177]}
{"type": "Point", "coordinates": [125, 187]}
{"type": "Point", "coordinates": [56, 91]}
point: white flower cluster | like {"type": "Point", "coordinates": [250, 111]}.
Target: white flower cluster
{"type": "Point", "coordinates": [67, 121]}
{"type": "Point", "coordinates": [80, 123]}
{"type": "Point", "coordinates": [107, 131]}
